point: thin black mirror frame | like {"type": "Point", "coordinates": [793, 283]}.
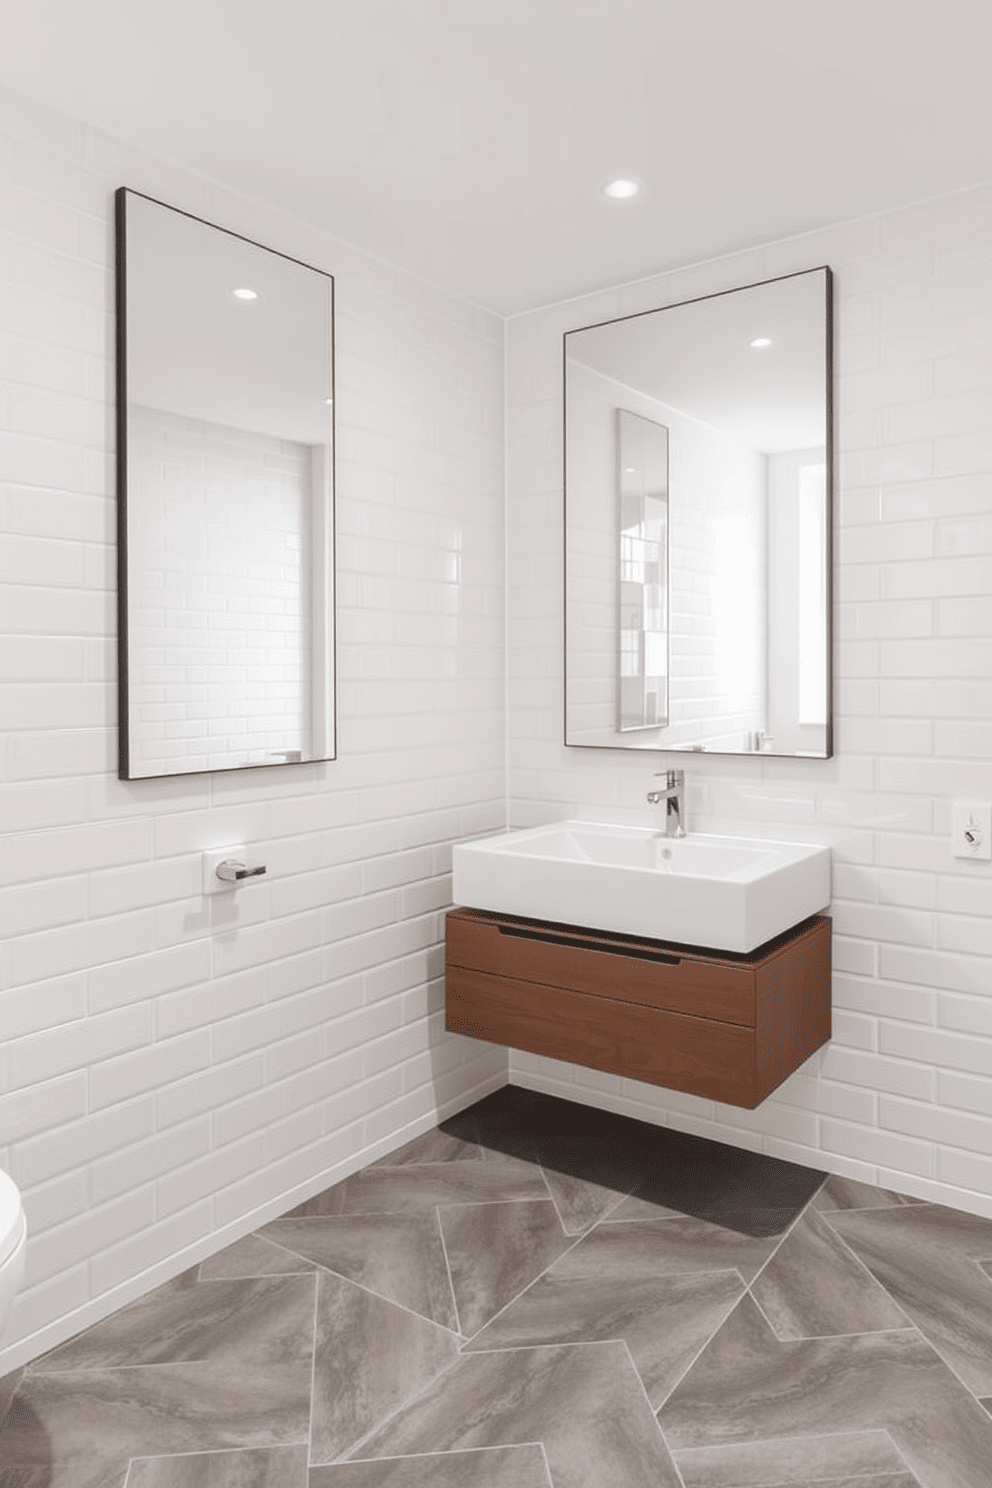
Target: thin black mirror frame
{"type": "Point", "coordinates": [827, 272]}
{"type": "Point", "coordinates": [123, 692]}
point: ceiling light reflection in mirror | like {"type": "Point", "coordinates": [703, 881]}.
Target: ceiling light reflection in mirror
{"type": "Point", "coordinates": [226, 499]}
{"type": "Point", "coordinates": [736, 387]}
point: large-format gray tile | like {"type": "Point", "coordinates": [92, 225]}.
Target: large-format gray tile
{"type": "Point", "coordinates": [84, 1426]}
{"type": "Point", "coordinates": [253, 1256]}
{"type": "Point", "coordinates": [487, 1467]}
{"type": "Point", "coordinates": [8, 1388]}
{"type": "Point", "coordinates": [864, 1456]}
{"type": "Point", "coordinates": [422, 1186]}
{"type": "Point", "coordinates": [663, 1286]}
{"type": "Point", "coordinates": [813, 1286]}
{"type": "Point", "coordinates": [749, 1386]}
{"type": "Point", "coordinates": [256, 1320]}
{"type": "Point", "coordinates": [924, 1257]}
{"type": "Point", "coordinates": [663, 1320]}
{"type": "Point", "coordinates": [495, 1250]}
{"type": "Point", "coordinates": [400, 1256]}
{"type": "Point", "coordinates": [249, 1467]}
{"type": "Point", "coordinates": [584, 1403]}
{"type": "Point", "coordinates": [848, 1193]}
{"type": "Point", "coordinates": [370, 1357]}
{"type": "Point", "coordinates": [678, 1244]}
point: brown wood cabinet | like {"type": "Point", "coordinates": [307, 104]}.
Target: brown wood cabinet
{"type": "Point", "coordinates": [727, 1027]}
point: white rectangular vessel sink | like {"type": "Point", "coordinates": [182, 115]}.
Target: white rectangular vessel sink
{"type": "Point", "coordinates": [726, 893]}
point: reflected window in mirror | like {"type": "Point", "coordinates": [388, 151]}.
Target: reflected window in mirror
{"type": "Point", "coordinates": [225, 499]}
{"type": "Point", "coordinates": [710, 628]}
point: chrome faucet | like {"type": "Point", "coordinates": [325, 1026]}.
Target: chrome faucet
{"type": "Point", "coordinates": [674, 797]}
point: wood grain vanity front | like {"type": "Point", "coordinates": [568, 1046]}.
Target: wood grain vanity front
{"type": "Point", "coordinates": [730, 1028]}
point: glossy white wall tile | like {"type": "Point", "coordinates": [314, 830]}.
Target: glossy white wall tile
{"type": "Point", "coordinates": [173, 1070]}
{"type": "Point", "coordinates": [898, 1096]}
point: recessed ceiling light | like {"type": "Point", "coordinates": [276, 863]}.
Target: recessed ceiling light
{"type": "Point", "coordinates": [621, 189]}
{"type": "Point", "coordinates": [245, 294]}
{"type": "Point", "coordinates": [759, 342]}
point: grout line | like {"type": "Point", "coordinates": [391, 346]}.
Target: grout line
{"type": "Point", "coordinates": [654, 1413]}
{"type": "Point", "coordinates": [313, 1371]}
{"type": "Point", "coordinates": [410, 1401]}
{"type": "Point", "coordinates": [547, 1466]}
{"type": "Point", "coordinates": [544, 1179]}
{"type": "Point", "coordinates": [448, 1452]}
{"type": "Point", "coordinates": [900, 1453]}
{"type": "Point", "coordinates": [447, 1267]}
{"type": "Point", "coordinates": [869, 1272]}
{"type": "Point", "coordinates": [745, 1293]}
{"type": "Point", "coordinates": [213, 1451]}
{"type": "Point", "coordinates": [516, 1298]}
{"type": "Point", "coordinates": [708, 1341]}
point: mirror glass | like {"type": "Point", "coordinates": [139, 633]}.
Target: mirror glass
{"type": "Point", "coordinates": [698, 524]}
{"type": "Point", "coordinates": [225, 499]}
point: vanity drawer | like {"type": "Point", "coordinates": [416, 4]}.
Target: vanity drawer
{"type": "Point", "coordinates": [714, 1060]}
{"type": "Point", "coordinates": [645, 973]}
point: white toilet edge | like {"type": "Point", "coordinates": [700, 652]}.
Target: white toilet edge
{"type": "Point", "coordinates": [14, 1240]}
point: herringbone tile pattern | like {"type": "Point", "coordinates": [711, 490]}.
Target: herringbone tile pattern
{"type": "Point", "coordinates": [538, 1295]}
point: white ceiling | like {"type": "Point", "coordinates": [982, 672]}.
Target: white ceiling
{"type": "Point", "coordinates": [466, 139]}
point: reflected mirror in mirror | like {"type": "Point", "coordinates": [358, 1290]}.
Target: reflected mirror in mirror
{"type": "Point", "coordinates": [225, 499]}
{"type": "Point", "coordinates": [698, 524]}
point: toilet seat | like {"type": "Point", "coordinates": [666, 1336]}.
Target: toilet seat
{"type": "Point", "coordinates": [12, 1221]}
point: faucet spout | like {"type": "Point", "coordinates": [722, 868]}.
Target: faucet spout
{"type": "Point", "coordinates": [674, 798]}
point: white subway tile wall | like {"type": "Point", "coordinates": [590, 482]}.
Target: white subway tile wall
{"type": "Point", "coordinates": [171, 1069]}
{"type": "Point", "coordinates": [901, 1095]}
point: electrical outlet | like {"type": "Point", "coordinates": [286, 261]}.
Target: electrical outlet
{"type": "Point", "coordinates": [971, 829]}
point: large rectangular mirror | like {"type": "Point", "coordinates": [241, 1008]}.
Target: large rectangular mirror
{"type": "Point", "coordinates": [225, 459]}
{"type": "Point", "coordinates": [698, 524]}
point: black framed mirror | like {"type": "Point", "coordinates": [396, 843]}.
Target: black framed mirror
{"type": "Point", "coordinates": [698, 612]}
{"type": "Point", "coordinates": [225, 479]}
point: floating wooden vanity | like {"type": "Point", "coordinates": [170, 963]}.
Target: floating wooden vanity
{"type": "Point", "coordinates": [727, 1027]}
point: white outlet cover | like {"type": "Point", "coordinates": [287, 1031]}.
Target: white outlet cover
{"type": "Point", "coordinates": [211, 883]}
{"type": "Point", "coordinates": [971, 830]}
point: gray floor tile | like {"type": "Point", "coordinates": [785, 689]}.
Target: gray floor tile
{"type": "Point", "coordinates": [677, 1243]}
{"type": "Point", "coordinates": [421, 1187]}
{"type": "Point", "coordinates": [584, 1403]}
{"type": "Point", "coordinates": [793, 1460]}
{"type": "Point", "coordinates": [250, 1467]}
{"type": "Point", "coordinates": [663, 1320]}
{"type": "Point", "coordinates": [924, 1257]}
{"type": "Point", "coordinates": [603, 1261]}
{"type": "Point", "coordinates": [813, 1287]}
{"type": "Point", "coordinates": [370, 1357]}
{"type": "Point", "coordinates": [253, 1256]}
{"type": "Point", "coordinates": [848, 1193]}
{"type": "Point", "coordinates": [399, 1256]}
{"type": "Point", "coordinates": [84, 1426]}
{"type": "Point", "coordinates": [495, 1250]}
{"type": "Point", "coordinates": [747, 1386]}
{"type": "Point", "coordinates": [253, 1320]}
{"type": "Point", "coordinates": [8, 1388]}
{"type": "Point", "coordinates": [490, 1467]}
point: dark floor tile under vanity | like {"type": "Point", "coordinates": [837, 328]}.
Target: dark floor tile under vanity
{"type": "Point", "coordinates": [538, 1295]}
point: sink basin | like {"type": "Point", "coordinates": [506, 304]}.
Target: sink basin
{"type": "Point", "coordinates": [727, 893]}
